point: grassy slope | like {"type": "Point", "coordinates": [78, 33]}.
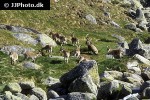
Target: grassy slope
{"type": "Point", "coordinates": [62, 18]}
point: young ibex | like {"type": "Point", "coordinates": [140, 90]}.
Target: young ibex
{"type": "Point", "coordinates": [14, 57]}
{"type": "Point", "coordinates": [117, 53]}
{"type": "Point", "coordinates": [48, 49]}
{"type": "Point", "coordinates": [77, 51]}
{"type": "Point", "coordinates": [91, 47]}
{"type": "Point", "coordinates": [66, 54]}
{"type": "Point", "coordinates": [74, 40]}
{"type": "Point", "coordinates": [32, 55]}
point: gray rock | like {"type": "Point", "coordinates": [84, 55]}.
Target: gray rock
{"type": "Point", "coordinates": [140, 15]}
{"type": "Point", "coordinates": [142, 59]}
{"type": "Point", "coordinates": [115, 74]}
{"type": "Point", "coordinates": [80, 96]}
{"type": "Point", "coordinates": [10, 96]}
{"type": "Point", "coordinates": [146, 93]}
{"type": "Point", "coordinates": [131, 97]}
{"type": "Point", "coordinates": [25, 38]}
{"type": "Point", "coordinates": [13, 87]}
{"type": "Point", "coordinates": [83, 84]}
{"type": "Point", "coordinates": [27, 85]}
{"type": "Point", "coordinates": [124, 91]}
{"type": "Point", "coordinates": [33, 97]}
{"type": "Point", "coordinates": [142, 25]}
{"type": "Point", "coordinates": [57, 99]}
{"type": "Point", "coordinates": [50, 81]}
{"type": "Point", "coordinates": [120, 38]}
{"type": "Point", "coordinates": [134, 66]}
{"type": "Point", "coordinates": [87, 67]}
{"type": "Point", "coordinates": [40, 93]}
{"type": "Point", "coordinates": [30, 65]}
{"type": "Point", "coordinates": [106, 76]}
{"type": "Point", "coordinates": [133, 81]}
{"type": "Point", "coordinates": [91, 18]}
{"type": "Point", "coordinates": [46, 40]}
{"type": "Point", "coordinates": [19, 49]}
{"type": "Point", "coordinates": [114, 24]}
{"type": "Point", "coordinates": [52, 94]}
{"type": "Point", "coordinates": [147, 15]}
{"type": "Point", "coordinates": [146, 75]}
{"type": "Point", "coordinates": [132, 13]}
{"type": "Point", "coordinates": [146, 48]}
{"type": "Point", "coordinates": [108, 90]}
{"type": "Point", "coordinates": [131, 26]}
{"type": "Point", "coordinates": [22, 96]}
{"type": "Point", "coordinates": [145, 85]}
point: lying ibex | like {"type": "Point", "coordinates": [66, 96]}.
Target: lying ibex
{"type": "Point", "coordinates": [91, 47]}
{"type": "Point", "coordinates": [117, 53]}
{"type": "Point", "coordinates": [14, 57]}
{"type": "Point", "coordinates": [77, 51]}
{"type": "Point", "coordinates": [74, 40]}
{"type": "Point", "coordinates": [83, 58]}
{"type": "Point", "coordinates": [66, 54]}
{"type": "Point", "coordinates": [32, 55]}
{"type": "Point", "coordinates": [48, 49]}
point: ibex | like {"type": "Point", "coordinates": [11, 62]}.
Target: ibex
{"type": "Point", "coordinates": [83, 58]}
{"type": "Point", "coordinates": [14, 57]}
{"type": "Point", "coordinates": [62, 40]}
{"type": "Point", "coordinates": [66, 54]}
{"type": "Point", "coordinates": [91, 47]}
{"type": "Point", "coordinates": [32, 55]}
{"type": "Point", "coordinates": [117, 53]}
{"type": "Point", "coordinates": [74, 40]}
{"type": "Point", "coordinates": [48, 49]}
{"type": "Point", "coordinates": [77, 51]}
{"type": "Point", "coordinates": [55, 36]}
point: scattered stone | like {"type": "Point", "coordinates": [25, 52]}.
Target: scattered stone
{"type": "Point", "coordinates": [131, 26]}
{"type": "Point", "coordinates": [13, 87]}
{"type": "Point", "coordinates": [146, 93]}
{"type": "Point", "coordinates": [46, 40]}
{"type": "Point", "coordinates": [30, 65]}
{"type": "Point", "coordinates": [27, 85]}
{"type": "Point", "coordinates": [52, 94]}
{"type": "Point", "coordinates": [80, 96]}
{"type": "Point", "coordinates": [83, 84]}
{"type": "Point", "coordinates": [50, 81]}
{"type": "Point", "coordinates": [40, 93]}
{"type": "Point", "coordinates": [131, 97]}
{"type": "Point", "coordinates": [25, 38]}
{"type": "Point", "coordinates": [106, 76]}
{"type": "Point", "coordinates": [142, 59]}
{"type": "Point", "coordinates": [91, 18]}
{"type": "Point", "coordinates": [22, 96]}
{"type": "Point", "coordinates": [114, 24]}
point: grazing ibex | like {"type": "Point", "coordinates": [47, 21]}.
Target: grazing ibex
{"type": "Point", "coordinates": [74, 40]}
{"type": "Point", "coordinates": [14, 57]}
{"type": "Point", "coordinates": [91, 47]}
{"type": "Point", "coordinates": [66, 54]}
{"type": "Point", "coordinates": [77, 51]}
{"type": "Point", "coordinates": [48, 49]}
{"type": "Point", "coordinates": [117, 53]}
{"type": "Point", "coordinates": [32, 55]}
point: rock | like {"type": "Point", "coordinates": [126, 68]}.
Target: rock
{"type": "Point", "coordinates": [46, 40]}
{"type": "Point", "coordinates": [142, 25]}
{"type": "Point", "coordinates": [134, 66]}
{"type": "Point", "coordinates": [18, 29]}
{"type": "Point", "coordinates": [146, 48]}
{"type": "Point", "coordinates": [33, 97]}
{"type": "Point", "coordinates": [147, 15]}
{"type": "Point", "coordinates": [106, 76]}
{"type": "Point", "coordinates": [142, 59]}
{"type": "Point", "coordinates": [57, 99]}
{"type": "Point", "coordinates": [83, 84]}
{"type": "Point", "coordinates": [132, 13]}
{"type": "Point", "coordinates": [120, 38]}
{"type": "Point", "coordinates": [115, 74]}
{"type": "Point", "coordinates": [87, 67]}
{"type": "Point", "coordinates": [124, 45]}
{"type": "Point", "coordinates": [52, 94]}
{"type": "Point", "coordinates": [80, 96]}
{"type": "Point", "coordinates": [133, 81]}
{"type": "Point", "coordinates": [108, 90]}
{"type": "Point", "coordinates": [140, 15]}
{"type": "Point", "coordinates": [135, 44]}
{"type": "Point", "coordinates": [131, 97]}
{"type": "Point", "coordinates": [146, 75]}
{"type": "Point", "coordinates": [19, 49]}
{"type": "Point", "coordinates": [146, 93]}
{"type": "Point", "coordinates": [40, 93]}
{"type": "Point", "coordinates": [10, 96]}
{"type": "Point", "coordinates": [13, 87]}
{"type": "Point", "coordinates": [131, 86]}
{"type": "Point", "coordinates": [30, 65]}
{"type": "Point", "coordinates": [124, 91]}
{"type": "Point", "coordinates": [131, 26]}
{"type": "Point", "coordinates": [50, 81]}
{"type": "Point", "coordinates": [25, 38]}
{"type": "Point", "coordinates": [91, 18]}
{"type": "Point", "coordinates": [114, 24]}
{"type": "Point", "coordinates": [27, 85]}
{"type": "Point", "coordinates": [22, 96]}
{"type": "Point", "coordinates": [145, 85]}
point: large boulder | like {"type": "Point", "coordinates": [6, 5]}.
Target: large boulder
{"type": "Point", "coordinates": [91, 18]}
{"type": "Point", "coordinates": [40, 93]}
{"type": "Point", "coordinates": [80, 96]}
{"type": "Point", "coordinates": [46, 40]}
{"type": "Point", "coordinates": [83, 84]}
{"type": "Point", "coordinates": [13, 87]}
{"type": "Point", "coordinates": [142, 59]}
{"type": "Point", "coordinates": [86, 67]}
{"type": "Point", "coordinates": [10, 96]}
{"type": "Point", "coordinates": [25, 38]}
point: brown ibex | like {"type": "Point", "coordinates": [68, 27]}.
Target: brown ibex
{"type": "Point", "coordinates": [77, 51]}
{"type": "Point", "coordinates": [74, 40]}
{"type": "Point", "coordinates": [32, 55]}
{"type": "Point", "coordinates": [66, 54]}
{"type": "Point", "coordinates": [117, 53]}
{"type": "Point", "coordinates": [48, 49]}
{"type": "Point", "coordinates": [14, 57]}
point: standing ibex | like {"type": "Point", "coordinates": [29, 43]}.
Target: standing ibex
{"type": "Point", "coordinates": [77, 51]}
{"type": "Point", "coordinates": [48, 49]}
{"type": "Point", "coordinates": [66, 54]}
{"type": "Point", "coordinates": [83, 58]}
{"type": "Point", "coordinates": [14, 57]}
{"type": "Point", "coordinates": [117, 53]}
{"type": "Point", "coordinates": [74, 40]}
{"type": "Point", "coordinates": [62, 40]}
{"type": "Point", "coordinates": [91, 47]}
{"type": "Point", "coordinates": [32, 55]}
